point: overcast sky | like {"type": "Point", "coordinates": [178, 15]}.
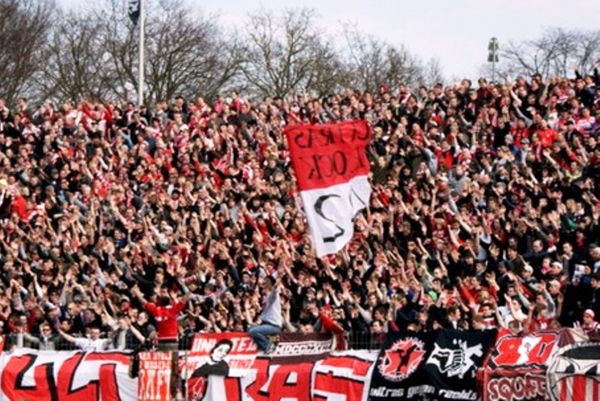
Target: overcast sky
{"type": "Point", "coordinates": [454, 31]}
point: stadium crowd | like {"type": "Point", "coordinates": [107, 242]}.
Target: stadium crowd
{"type": "Point", "coordinates": [485, 213]}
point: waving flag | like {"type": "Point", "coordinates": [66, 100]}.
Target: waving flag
{"type": "Point", "coordinates": [331, 168]}
{"type": "Point", "coordinates": [133, 9]}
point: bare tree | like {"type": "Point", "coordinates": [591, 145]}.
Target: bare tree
{"type": "Point", "coordinates": [186, 54]}
{"type": "Point", "coordinates": [432, 73]}
{"type": "Point", "coordinates": [587, 52]}
{"type": "Point", "coordinates": [287, 53]}
{"type": "Point", "coordinates": [119, 39]}
{"type": "Point", "coordinates": [329, 73]}
{"type": "Point", "coordinates": [556, 52]}
{"type": "Point", "coordinates": [75, 62]}
{"type": "Point", "coordinates": [374, 62]}
{"type": "Point", "coordinates": [24, 26]}
{"type": "Point", "coordinates": [95, 54]}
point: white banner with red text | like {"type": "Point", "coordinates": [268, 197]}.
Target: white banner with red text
{"type": "Point", "coordinates": [339, 376]}
{"type": "Point", "coordinates": [66, 376]}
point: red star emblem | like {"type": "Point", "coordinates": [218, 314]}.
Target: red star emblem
{"type": "Point", "coordinates": [402, 359]}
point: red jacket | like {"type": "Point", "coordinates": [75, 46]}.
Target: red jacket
{"type": "Point", "coordinates": [166, 319]}
{"type": "Point", "coordinates": [19, 206]}
{"type": "Point", "coordinates": [445, 157]}
{"type": "Point", "coordinates": [547, 137]}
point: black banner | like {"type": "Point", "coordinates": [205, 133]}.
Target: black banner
{"type": "Point", "coordinates": [439, 365]}
{"type": "Point", "coordinates": [454, 361]}
{"type": "Point", "coordinates": [398, 372]}
{"type": "Point", "coordinates": [133, 9]}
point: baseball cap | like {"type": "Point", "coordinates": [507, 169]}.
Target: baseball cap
{"type": "Point", "coordinates": [590, 313]}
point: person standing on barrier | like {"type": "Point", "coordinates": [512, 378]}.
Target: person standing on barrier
{"type": "Point", "coordinates": [271, 319]}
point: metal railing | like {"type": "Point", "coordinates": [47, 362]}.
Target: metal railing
{"type": "Point", "coordinates": [354, 341]}
{"type": "Point", "coordinates": [365, 340]}
{"type": "Point", "coordinates": [58, 343]}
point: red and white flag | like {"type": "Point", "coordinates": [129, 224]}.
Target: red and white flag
{"type": "Point", "coordinates": [331, 168]}
{"type": "Point", "coordinates": [579, 388]}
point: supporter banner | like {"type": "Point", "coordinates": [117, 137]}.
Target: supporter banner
{"type": "Point", "coordinates": [224, 354]}
{"type": "Point", "coordinates": [515, 386]}
{"type": "Point", "coordinates": [439, 365]}
{"type": "Point", "coordinates": [340, 376]}
{"type": "Point", "coordinates": [331, 167]}
{"type": "Point", "coordinates": [453, 363]}
{"type": "Point", "coordinates": [517, 351]}
{"type": "Point", "coordinates": [154, 376]}
{"type": "Point", "coordinates": [398, 372]}
{"type": "Point", "coordinates": [293, 347]}
{"type": "Point", "coordinates": [516, 368]}
{"type": "Point", "coordinates": [574, 373]}
{"type": "Point", "coordinates": [66, 376]}
{"type": "Point", "coordinates": [287, 344]}
{"type": "Point", "coordinates": [233, 354]}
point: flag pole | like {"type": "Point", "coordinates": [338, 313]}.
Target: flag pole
{"type": "Point", "coordinates": [141, 62]}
